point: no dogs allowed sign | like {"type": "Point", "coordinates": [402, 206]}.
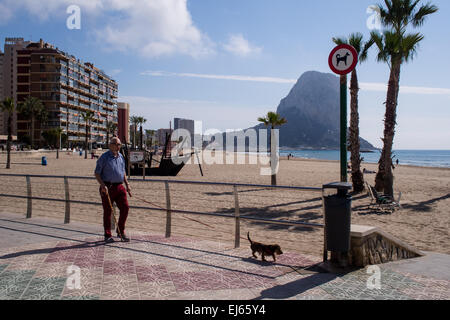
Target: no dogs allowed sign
{"type": "Point", "coordinates": [343, 59]}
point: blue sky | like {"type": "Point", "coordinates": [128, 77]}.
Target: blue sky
{"type": "Point", "coordinates": [226, 62]}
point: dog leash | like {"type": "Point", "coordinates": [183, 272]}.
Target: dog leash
{"type": "Point", "coordinates": [114, 215]}
{"type": "Point", "coordinates": [154, 204]}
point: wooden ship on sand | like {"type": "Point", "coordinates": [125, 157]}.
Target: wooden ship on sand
{"type": "Point", "coordinates": [149, 163]}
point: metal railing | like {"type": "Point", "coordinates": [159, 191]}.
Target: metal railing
{"type": "Point", "coordinates": [168, 201]}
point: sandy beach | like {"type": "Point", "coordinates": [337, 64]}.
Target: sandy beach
{"type": "Point", "coordinates": [423, 220]}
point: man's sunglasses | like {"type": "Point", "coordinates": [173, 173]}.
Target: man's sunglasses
{"type": "Point", "coordinates": [116, 144]}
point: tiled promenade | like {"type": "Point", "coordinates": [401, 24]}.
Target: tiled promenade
{"type": "Point", "coordinates": [42, 258]}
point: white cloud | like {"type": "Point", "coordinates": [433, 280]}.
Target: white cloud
{"type": "Point", "coordinates": [240, 46]}
{"type": "Point", "coordinates": [155, 28]}
{"type": "Point", "coordinates": [151, 28]}
{"type": "Point", "coordinates": [219, 77]}
{"type": "Point", "coordinates": [364, 86]}
{"type": "Point", "coordinates": [404, 89]}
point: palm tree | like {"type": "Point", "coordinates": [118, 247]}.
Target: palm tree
{"type": "Point", "coordinates": [142, 120]}
{"type": "Point", "coordinates": [149, 134]}
{"type": "Point", "coordinates": [356, 41]}
{"type": "Point", "coordinates": [8, 106]}
{"type": "Point", "coordinates": [34, 109]}
{"type": "Point", "coordinates": [135, 121]}
{"type": "Point", "coordinates": [58, 132]}
{"type": "Point", "coordinates": [394, 48]}
{"type": "Point", "coordinates": [87, 116]}
{"type": "Point", "coordinates": [273, 120]}
{"type": "Point", "coordinates": [111, 128]}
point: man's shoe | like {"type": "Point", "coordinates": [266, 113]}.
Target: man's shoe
{"type": "Point", "coordinates": [125, 238]}
{"type": "Point", "coordinates": [109, 239]}
{"type": "Point", "coordinates": [122, 236]}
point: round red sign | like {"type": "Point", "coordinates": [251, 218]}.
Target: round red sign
{"type": "Point", "coordinates": [343, 59]}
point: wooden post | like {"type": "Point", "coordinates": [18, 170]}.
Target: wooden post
{"type": "Point", "coordinates": [66, 187]}
{"type": "Point", "coordinates": [143, 168]}
{"type": "Point", "coordinates": [29, 201]}
{"type": "Point", "coordinates": [169, 212]}
{"type": "Point", "coordinates": [237, 227]}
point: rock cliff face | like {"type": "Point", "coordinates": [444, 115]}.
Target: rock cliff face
{"type": "Point", "coordinates": [312, 111]}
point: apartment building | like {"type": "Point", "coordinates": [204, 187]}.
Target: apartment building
{"type": "Point", "coordinates": [186, 124]}
{"type": "Point", "coordinates": [123, 130]}
{"type": "Point", "coordinates": [68, 87]}
{"type": "Point", "coordinates": [9, 81]}
{"type": "Point", "coordinates": [1, 75]}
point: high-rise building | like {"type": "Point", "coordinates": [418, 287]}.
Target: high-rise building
{"type": "Point", "coordinates": [123, 113]}
{"type": "Point", "coordinates": [186, 124]}
{"type": "Point", "coordinates": [66, 86]}
{"type": "Point", "coordinates": [9, 82]}
{"type": "Point", "coordinates": [1, 74]}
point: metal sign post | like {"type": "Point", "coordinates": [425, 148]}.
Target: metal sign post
{"type": "Point", "coordinates": [343, 60]}
{"type": "Point", "coordinates": [343, 81]}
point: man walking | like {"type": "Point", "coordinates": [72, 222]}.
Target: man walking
{"type": "Point", "coordinates": [110, 173]}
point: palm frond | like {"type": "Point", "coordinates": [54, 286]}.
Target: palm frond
{"type": "Point", "coordinates": [410, 44]}
{"type": "Point", "coordinates": [419, 17]}
{"type": "Point", "coordinates": [356, 40]}
{"type": "Point", "coordinates": [339, 41]}
{"type": "Point", "coordinates": [7, 105]}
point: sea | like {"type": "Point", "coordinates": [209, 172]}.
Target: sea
{"type": "Point", "coordinates": [425, 158]}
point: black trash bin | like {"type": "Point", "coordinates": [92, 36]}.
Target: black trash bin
{"type": "Point", "coordinates": [337, 215]}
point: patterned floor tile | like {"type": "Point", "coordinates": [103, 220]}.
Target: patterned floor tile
{"type": "Point", "coordinates": [44, 289]}
{"type": "Point", "coordinates": [156, 290]}
{"type": "Point", "coordinates": [314, 294]}
{"type": "Point", "coordinates": [251, 280]}
{"type": "Point", "coordinates": [353, 289]}
{"type": "Point", "coordinates": [195, 281]}
{"type": "Point", "coordinates": [15, 276]}
{"type": "Point", "coordinates": [224, 294]}
{"type": "Point", "coordinates": [118, 267]}
{"type": "Point", "coordinates": [119, 287]}
{"type": "Point", "coordinates": [89, 283]}
{"type": "Point", "coordinates": [427, 288]}
{"type": "Point", "coordinates": [79, 297]}
{"type": "Point", "coordinates": [157, 273]}
{"type": "Point", "coordinates": [26, 262]}
{"type": "Point", "coordinates": [3, 267]}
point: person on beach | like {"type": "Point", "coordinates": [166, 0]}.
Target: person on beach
{"type": "Point", "coordinates": [110, 173]}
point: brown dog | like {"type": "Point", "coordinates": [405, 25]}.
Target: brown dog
{"type": "Point", "coordinates": [264, 249]}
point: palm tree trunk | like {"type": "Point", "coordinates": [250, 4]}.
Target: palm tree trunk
{"type": "Point", "coordinates": [8, 143]}
{"type": "Point", "coordinates": [273, 179]}
{"type": "Point", "coordinates": [58, 144]}
{"type": "Point", "coordinates": [86, 142]}
{"type": "Point", "coordinates": [357, 176]}
{"type": "Point", "coordinates": [107, 134]}
{"type": "Point", "coordinates": [384, 179]}
{"type": "Point", "coordinates": [32, 132]}
{"type": "Point", "coordinates": [142, 138]}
